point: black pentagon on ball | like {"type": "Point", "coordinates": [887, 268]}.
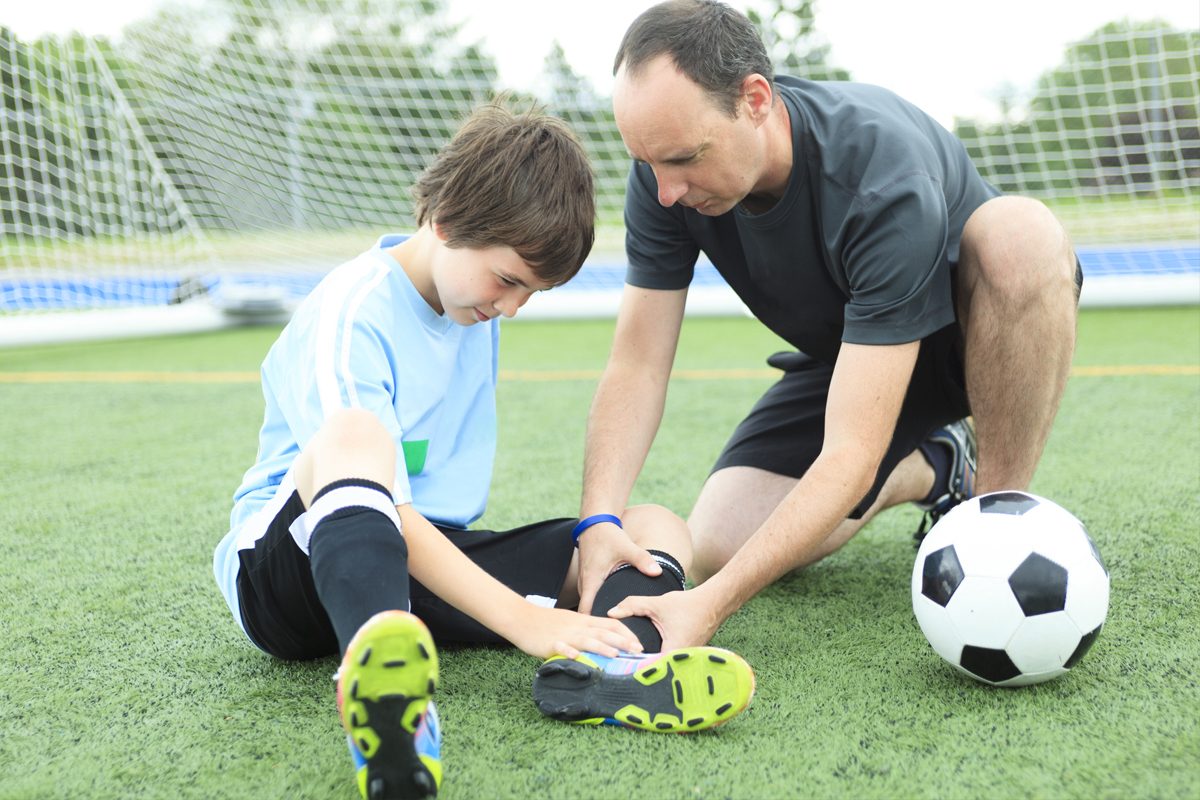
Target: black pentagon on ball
{"type": "Point", "coordinates": [1015, 503]}
{"type": "Point", "coordinates": [1095, 550]}
{"type": "Point", "coordinates": [991, 665]}
{"type": "Point", "coordinates": [941, 575]}
{"type": "Point", "coordinates": [1039, 585]}
{"type": "Point", "coordinates": [1082, 647]}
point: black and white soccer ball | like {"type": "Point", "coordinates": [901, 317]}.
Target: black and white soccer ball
{"type": "Point", "coordinates": [1009, 588]}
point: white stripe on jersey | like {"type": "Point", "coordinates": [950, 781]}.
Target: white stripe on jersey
{"type": "Point", "coordinates": [338, 305]}
{"type": "Point", "coordinates": [348, 329]}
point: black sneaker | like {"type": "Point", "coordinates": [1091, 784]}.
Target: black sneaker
{"type": "Point", "coordinates": [959, 437]}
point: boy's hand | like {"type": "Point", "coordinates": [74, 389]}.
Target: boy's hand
{"type": "Point", "coordinates": [602, 548]}
{"type": "Point", "coordinates": [545, 632]}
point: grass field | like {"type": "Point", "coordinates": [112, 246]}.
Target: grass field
{"type": "Point", "coordinates": [123, 675]}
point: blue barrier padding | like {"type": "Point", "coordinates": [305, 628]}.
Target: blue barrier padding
{"type": "Point", "coordinates": [81, 291]}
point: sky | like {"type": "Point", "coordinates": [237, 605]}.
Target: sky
{"type": "Point", "coordinates": [950, 57]}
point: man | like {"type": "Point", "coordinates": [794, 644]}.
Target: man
{"type": "Point", "coordinates": [856, 228]}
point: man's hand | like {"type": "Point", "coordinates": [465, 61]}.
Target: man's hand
{"type": "Point", "coordinates": [684, 619]}
{"type": "Point", "coordinates": [602, 548]}
{"type": "Point", "coordinates": [545, 632]}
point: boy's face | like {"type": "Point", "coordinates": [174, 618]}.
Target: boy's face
{"type": "Point", "coordinates": [475, 285]}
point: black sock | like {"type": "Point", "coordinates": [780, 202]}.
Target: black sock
{"type": "Point", "coordinates": [628, 581]}
{"type": "Point", "coordinates": [939, 456]}
{"type": "Point", "coordinates": [359, 558]}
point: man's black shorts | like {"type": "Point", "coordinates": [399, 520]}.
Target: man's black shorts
{"type": "Point", "coordinates": [283, 616]}
{"type": "Point", "coordinates": [785, 430]}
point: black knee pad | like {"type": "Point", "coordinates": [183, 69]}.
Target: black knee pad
{"type": "Point", "coordinates": [628, 581]}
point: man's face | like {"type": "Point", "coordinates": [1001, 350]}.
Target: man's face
{"type": "Point", "coordinates": [701, 158]}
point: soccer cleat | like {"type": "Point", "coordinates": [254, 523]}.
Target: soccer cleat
{"type": "Point", "coordinates": [387, 676]}
{"type": "Point", "coordinates": [689, 689]}
{"type": "Point", "coordinates": [959, 437]}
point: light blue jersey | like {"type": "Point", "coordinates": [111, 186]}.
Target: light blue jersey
{"type": "Point", "coordinates": [365, 338]}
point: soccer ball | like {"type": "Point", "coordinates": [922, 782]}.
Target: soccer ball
{"type": "Point", "coordinates": [1009, 588]}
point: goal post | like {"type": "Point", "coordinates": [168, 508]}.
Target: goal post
{"type": "Point", "coordinates": [235, 157]}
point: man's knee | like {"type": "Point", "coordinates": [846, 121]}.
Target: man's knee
{"type": "Point", "coordinates": [734, 502]}
{"type": "Point", "coordinates": [653, 527]}
{"type": "Point", "coordinates": [1016, 248]}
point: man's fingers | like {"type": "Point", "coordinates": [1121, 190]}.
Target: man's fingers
{"type": "Point", "coordinates": [631, 607]}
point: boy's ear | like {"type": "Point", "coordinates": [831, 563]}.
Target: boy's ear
{"type": "Point", "coordinates": [437, 231]}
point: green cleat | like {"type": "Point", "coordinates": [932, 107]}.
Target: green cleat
{"type": "Point", "coordinates": [385, 682]}
{"type": "Point", "coordinates": [690, 689]}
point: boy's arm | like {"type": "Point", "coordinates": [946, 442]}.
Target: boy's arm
{"type": "Point", "coordinates": [542, 632]}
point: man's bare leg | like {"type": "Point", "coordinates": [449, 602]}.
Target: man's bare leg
{"type": "Point", "coordinates": [1016, 303]}
{"type": "Point", "coordinates": [735, 501]}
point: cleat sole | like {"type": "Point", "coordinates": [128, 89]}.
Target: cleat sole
{"type": "Point", "coordinates": [390, 671]}
{"type": "Point", "coordinates": [676, 694]}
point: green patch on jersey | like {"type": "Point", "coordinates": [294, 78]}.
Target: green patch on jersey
{"type": "Point", "coordinates": [414, 455]}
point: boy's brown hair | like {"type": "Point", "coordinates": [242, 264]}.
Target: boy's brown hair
{"type": "Point", "coordinates": [519, 180]}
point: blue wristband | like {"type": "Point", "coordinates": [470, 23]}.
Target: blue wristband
{"type": "Point", "coordinates": [588, 522]}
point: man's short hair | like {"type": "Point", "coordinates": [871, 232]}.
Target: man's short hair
{"type": "Point", "coordinates": [712, 44]}
{"type": "Point", "coordinates": [519, 180]}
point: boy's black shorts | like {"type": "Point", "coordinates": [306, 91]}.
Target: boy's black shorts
{"type": "Point", "coordinates": [785, 430]}
{"type": "Point", "coordinates": [283, 616]}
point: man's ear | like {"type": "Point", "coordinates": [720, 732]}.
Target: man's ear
{"type": "Point", "coordinates": [757, 94]}
{"type": "Point", "coordinates": [438, 232]}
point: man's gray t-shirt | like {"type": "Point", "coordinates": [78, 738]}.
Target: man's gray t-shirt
{"type": "Point", "coordinates": [861, 245]}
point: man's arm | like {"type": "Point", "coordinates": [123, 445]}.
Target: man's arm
{"type": "Point", "coordinates": [447, 572]}
{"type": "Point", "coordinates": [867, 389]}
{"type": "Point", "coordinates": [624, 418]}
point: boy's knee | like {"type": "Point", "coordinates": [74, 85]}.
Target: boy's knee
{"type": "Point", "coordinates": [354, 430]}
{"type": "Point", "coordinates": [654, 527]}
{"type": "Point", "coordinates": [352, 443]}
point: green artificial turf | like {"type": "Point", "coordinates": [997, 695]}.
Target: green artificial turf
{"type": "Point", "coordinates": [123, 674]}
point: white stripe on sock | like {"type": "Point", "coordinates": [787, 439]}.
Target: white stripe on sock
{"type": "Point", "coordinates": [336, 500]}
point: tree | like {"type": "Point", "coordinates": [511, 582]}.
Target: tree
{"type": "Point", "coordinates": [796, 48]}
{"type": "Point", "coordinates": [309, 113]}
{"type": "Point", "coordinates": [571, 96]}
{"type": "Point", "coordinates": [1118, 114]}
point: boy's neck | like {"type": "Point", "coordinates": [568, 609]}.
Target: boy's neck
{"type": "Point", "coordinates": [414, 255]}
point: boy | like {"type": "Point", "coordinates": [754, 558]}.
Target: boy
{"type": "Point", "coordinates": [376, 452]}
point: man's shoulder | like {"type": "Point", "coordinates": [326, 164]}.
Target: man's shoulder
{"type": "Point", "coordinates": [864, 98]}
{"type": "Point", "coordinates": [863, 138]}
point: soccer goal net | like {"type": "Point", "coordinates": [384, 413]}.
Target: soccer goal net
{"type": "Point", "coordinates": [237, 151]}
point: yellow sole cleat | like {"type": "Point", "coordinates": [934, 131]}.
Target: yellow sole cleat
{"type": "Point", "coordinates": [690, 689]}
{"type": "Point", "coordinates": [385, 683]}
